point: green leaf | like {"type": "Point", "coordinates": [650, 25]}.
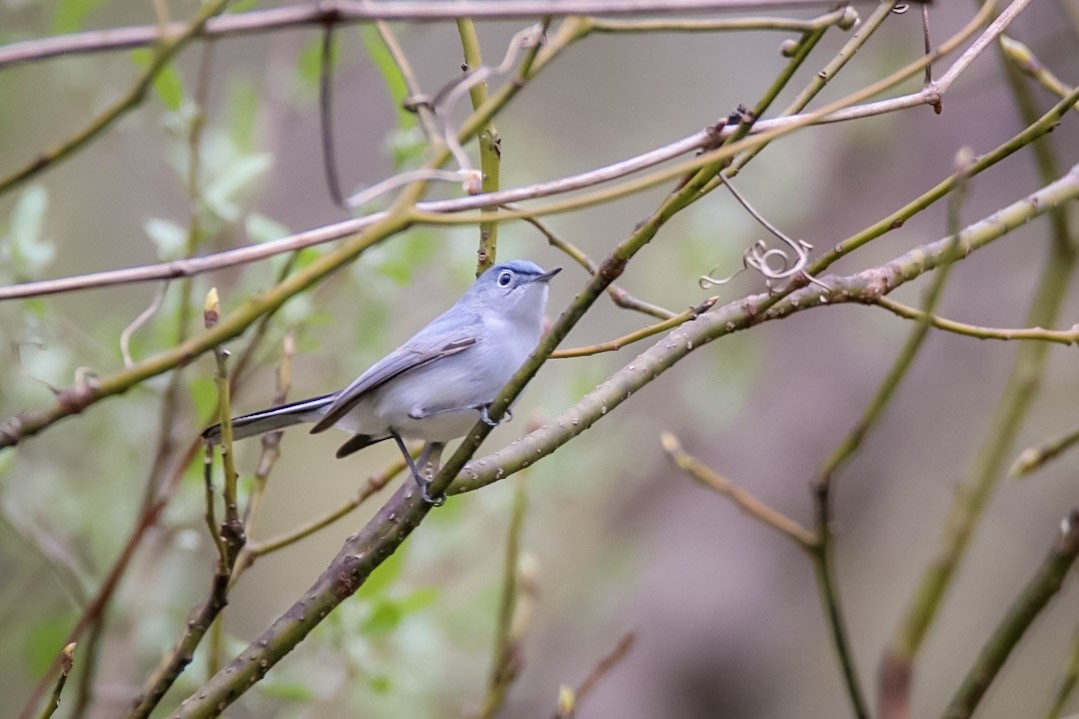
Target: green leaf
{"type": "Point", "coordinates": [241, 6]}
{"type": "Point", "coordinates": [309, 67]}
{"type": "Point", "coordinates": [380, 684]}
{"type": "Point", "coordinates": [167, 83]}
{"type": "Point", "coordinates": [204, 396]}
{"type": "Point", "coordinates": [243, 113]}
{"type": "Point", "coordinates": [29, 248]}
{"type": "Point", "coordinates": [287, 691]}
{"type": "Point", "coordinates": [391, 75]}
{"type": "Point", "coordinates": [386, 616]}
{"type": "Point", "coordinates": [169, 238]}
{"type": "Point", "coordinates": [223, 190]}
{"type": "Point", "coordinates": [419, 599]}
{"type": "Point", "coordinates": [405, 145]}
{"type": "Point", "coordinates": [70, 14]}
{"type": "Point", "coordinates": [384, 575]}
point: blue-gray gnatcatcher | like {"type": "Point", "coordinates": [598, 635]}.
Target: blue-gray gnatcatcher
{"type": "Point", "coordinates": [435, 385]}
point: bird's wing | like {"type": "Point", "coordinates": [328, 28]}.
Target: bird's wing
{"type": "Point", "coordinates": [439, 339]}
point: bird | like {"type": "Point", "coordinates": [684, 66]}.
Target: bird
{"type": "Point", "coordinates": [436, 385]}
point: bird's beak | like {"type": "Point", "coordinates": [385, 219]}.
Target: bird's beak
{"type": "Point", "coordinates": [546, 276]}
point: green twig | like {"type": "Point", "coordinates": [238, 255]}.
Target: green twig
{"type": "Point", "coordinates": [490, 145]}
{"type": "Point", "coordinates": [643, 333]}
{"type": "Point", "coordinates": [66, 660]}
{"type": "Point", "coordinates": [1021, 56]}
{"type": "Point", "coordinates": [1034, 334]}
{"type": "Point", "coordinates": [1042, 587]}
{"type": "Point", "coordinates": [1034, 458]}
{"type": "Point", "coordinates": [506, 664]}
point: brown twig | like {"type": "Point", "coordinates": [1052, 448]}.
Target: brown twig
{"type": "Point", "coordinates": [569, 700]}
{"type": "Point", "coordinates": [745, 501]}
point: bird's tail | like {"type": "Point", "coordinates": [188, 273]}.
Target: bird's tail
{"type": "Point", "coordinates": [268, 420]}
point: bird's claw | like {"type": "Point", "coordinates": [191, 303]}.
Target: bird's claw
{"type": "Point", "coordinates": [424, 486]}
{"type": "Point", "coordinates": [507, 416]}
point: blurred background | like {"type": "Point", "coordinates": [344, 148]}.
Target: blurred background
{"type": "Point", "coordinates": [725, 611]}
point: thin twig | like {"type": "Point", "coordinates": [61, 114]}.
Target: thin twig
{"type": "Point", "coordinates": [146, 314]}
{"type": "Point", "coordinates": [271, 441]}
{"type": "Point", "coordinates": [1025, 60]}
{"type": "Point", "coordinates": [1034, 334]}
{"type": "Point", "coordinates": [66, 661]}
{"type": "Point", "coordinates": [745, 501]}
{"type": "Point", "coordinates": [570, 700]}
{"type": "Point", "coordinates": [1034, 458]}
{"type": "Point", "coordinates": [643, 333]}
{"type": "Point", "coordinates": [325, 114]}
{"type": "Point", "coordinates": [506, 660]}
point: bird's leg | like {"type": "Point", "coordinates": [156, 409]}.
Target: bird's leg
{"type": "Point", "coordinates": [429, 456]}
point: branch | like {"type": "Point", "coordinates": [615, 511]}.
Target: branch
{"type": "Point", "coordinates": [1042, 587]}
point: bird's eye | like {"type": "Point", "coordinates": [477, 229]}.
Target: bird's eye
{"type": "Point", "coordinates": [504, 279]}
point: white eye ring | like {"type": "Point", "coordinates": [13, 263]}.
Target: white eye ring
{"type": "Point", "coordinates": [504, 279]}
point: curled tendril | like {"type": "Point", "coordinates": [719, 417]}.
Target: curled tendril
{"type": "Point", "coordinates": [774, 263]}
